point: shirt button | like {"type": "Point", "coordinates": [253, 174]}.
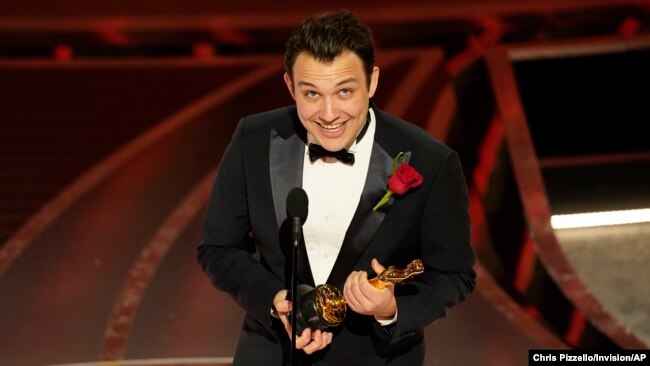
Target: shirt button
{"type": "Point", "coordinates": [327, 217]}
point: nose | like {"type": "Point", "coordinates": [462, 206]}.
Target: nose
{"type": "Point", "coordinates": [329, 111]}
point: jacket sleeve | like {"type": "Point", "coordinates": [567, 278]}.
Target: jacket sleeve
{"type": "Point", "coordinates": [444, 239]}
{"type": "Point", "coordinates": [226, 250]}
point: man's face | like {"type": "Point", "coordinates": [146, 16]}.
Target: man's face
{"type": "Point", "coordinates": [332, 97]}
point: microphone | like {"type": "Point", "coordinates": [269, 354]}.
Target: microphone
{"type": "Point", "coordinates": [297, 203]}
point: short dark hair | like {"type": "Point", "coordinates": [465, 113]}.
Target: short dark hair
{"type": "Point", "coordinates": [325, 36]}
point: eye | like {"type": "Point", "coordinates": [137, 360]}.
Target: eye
{"type": "Point", "coordinates": [311, 94]}
{"type": "Point", "coordinates": [345, 92]}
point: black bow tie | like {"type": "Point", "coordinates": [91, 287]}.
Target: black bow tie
{"type": "Point", "coordinates": [316, 152]}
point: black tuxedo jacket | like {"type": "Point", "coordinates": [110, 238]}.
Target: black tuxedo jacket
{"type": "Point", "coordinates": [247, 209]}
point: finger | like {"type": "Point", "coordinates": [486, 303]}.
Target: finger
{"type": "Point", "coordinates": [350, 290]}
{"type": "Point", "coordinates": [319, 341]}
{"type": "Point", "coordinates": [366, 291]}
{"type": "Point", "coordinates": [303, 339]}
{"type": "Point", "coordinates": [324, 339]}
{"type": "Point", "coordinates": [330, 337]}
{"type": "Point", "coordinates": [347, 288]}
{"type": "Point", "coordinates": [358, 296]}
{"type": "Point", "coordinates": [376, 266]}
{"type": "Point", "coordinates": [314, 344]}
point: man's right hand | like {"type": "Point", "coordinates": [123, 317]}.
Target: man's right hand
{"type": "Point", "coordinates": [308, 341]}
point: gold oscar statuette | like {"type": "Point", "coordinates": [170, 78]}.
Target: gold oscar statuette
{"type": "Point", "coordinates": [324, 305]}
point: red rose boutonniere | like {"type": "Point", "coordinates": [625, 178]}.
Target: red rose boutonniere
{"type": "Point", "coordinates": [403, 177]}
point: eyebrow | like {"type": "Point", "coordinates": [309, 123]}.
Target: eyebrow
{"type": "Point", "coordinates": [345, 81]}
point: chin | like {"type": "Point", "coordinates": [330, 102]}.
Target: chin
{"type": "Point", "coordinates": [334, 145]}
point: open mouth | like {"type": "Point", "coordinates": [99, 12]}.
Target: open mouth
{"type": "Point", "coordinates": [332, 127]}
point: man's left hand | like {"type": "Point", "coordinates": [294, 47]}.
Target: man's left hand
{"type": "Point", "coordinates": [365, 299]}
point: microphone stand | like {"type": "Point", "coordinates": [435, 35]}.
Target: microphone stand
{"type": "Point", "coordinates": [294, 287]}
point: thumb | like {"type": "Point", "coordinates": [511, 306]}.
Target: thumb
{"type": "Point", "coordinates": [279, 302]}
{"type": "Point", "coordinates": [283, 306]}
{"type": "Point", "coordinates": [376, 266]}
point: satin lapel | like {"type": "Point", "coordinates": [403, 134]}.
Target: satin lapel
{"type": "Point", "coordinates": [365, 221]}
{"type": "Point", "coordinates": [285, 163]}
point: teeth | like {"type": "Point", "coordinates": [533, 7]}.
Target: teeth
{"type": "Point", "coordinates": [331, 127]}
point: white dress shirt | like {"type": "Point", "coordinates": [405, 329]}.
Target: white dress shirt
{"type": "Point", "coordinates": [334, 190]}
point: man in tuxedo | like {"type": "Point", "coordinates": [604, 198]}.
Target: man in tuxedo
{"type": "Point", "coordinates": [342, 150]}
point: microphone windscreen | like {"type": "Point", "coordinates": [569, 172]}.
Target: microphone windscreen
{"type": "Point", "coordinates": [297, 203]}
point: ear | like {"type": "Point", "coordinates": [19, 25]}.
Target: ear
{"type": "Point", "coordinates": [287, 80]}
{"type": "Point", "coordinates": [374, 81]}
